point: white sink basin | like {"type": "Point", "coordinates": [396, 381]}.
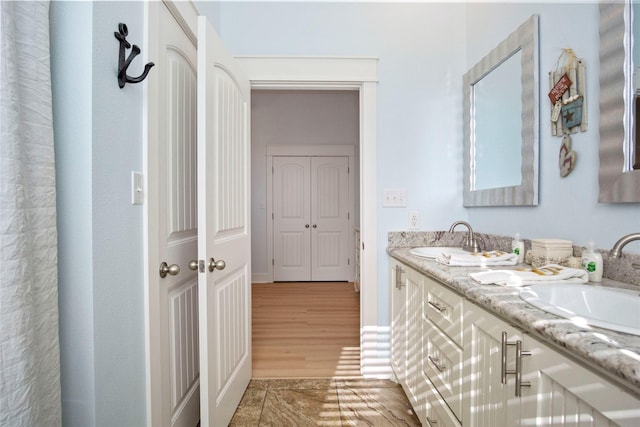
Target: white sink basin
{"type": "Point", "coordinates": [435, 251]}
{"type": "Point", "coordinates": [609, 308]}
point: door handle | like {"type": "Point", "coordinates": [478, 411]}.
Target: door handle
{"type": "Point", "coordinates": [216, 265]}
{"type": "Point", "coordinates": [165, 269]}
{"type": "Point", "coordinates": [306, 226]}
{"type": "Point", "coordinates": [193, 264]}
{"type": "Point", "coordinates": [315, 225]}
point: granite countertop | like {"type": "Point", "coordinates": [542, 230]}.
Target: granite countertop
{"type": "Point", "coordinates": [617, 354]}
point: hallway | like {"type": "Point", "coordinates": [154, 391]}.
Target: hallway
{"type": "Point", "coordinates": [306, 362]}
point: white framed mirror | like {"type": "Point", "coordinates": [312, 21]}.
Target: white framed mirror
{"type": "Point", "coordinates": [619, 181]}
{"type": "Point", "coordinates": [501, 123]}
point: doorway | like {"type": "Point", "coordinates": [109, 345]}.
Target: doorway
{"type": "Point", "coordinates": [303, 171]}
{"type": "Point", "coordinates": [304, 174]}
{"type": "Point", "coordinates": [360, 75]}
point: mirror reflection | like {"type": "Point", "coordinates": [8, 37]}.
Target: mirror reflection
{"type": "Point", "coordinates": [497, 137]}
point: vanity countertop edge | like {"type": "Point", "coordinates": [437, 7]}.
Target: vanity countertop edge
{"type": "Point", "coordinates": [616, 354]}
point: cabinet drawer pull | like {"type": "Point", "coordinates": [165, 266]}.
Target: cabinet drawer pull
{"type": "Point", "coordinates": [436, 362]}
{"type": "Point", "coordinates": [437, 306]}
{"type": "Point", "coordinates": [503, 365]}
{"type": "Point", "coordinates": [519, 355]}
{"type": "Point", "coordinates": [431, 421]}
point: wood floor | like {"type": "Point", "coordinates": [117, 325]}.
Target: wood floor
{"type": "Point", "coordinates": [305, 330]}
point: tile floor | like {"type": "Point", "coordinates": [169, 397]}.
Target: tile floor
{"type": "Point", "coordinates": [323, 402]}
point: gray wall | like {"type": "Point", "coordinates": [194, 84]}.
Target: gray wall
{"type": "Point", "coordinates": [423, 50]}
{"type": "Point", "coordinates": [98, 139]}
{"type": "Point", "coordinates": [568, 207]}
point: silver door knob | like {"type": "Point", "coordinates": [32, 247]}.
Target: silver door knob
{"type": "Point", "coordinates": [193, 264]}
{"type": "Point", "coordinates": [216, 265]}
{"type": "Point", "coordinates": [172, 269]}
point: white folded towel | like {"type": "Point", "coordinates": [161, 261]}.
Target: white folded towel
{"type": "Point", "coordinates": [480, 259]}
{"type": "Point", "coordinates": [530, 276]}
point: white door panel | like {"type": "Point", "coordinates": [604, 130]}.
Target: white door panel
{"type": "Point", "coordinates": [184, 354]}
{"type": "Point", "coordinates": [223, 225]}
{"type": "Point", "coordinates": [330, 236]}
{"type": "Point", "coordinates": [172, 224]}
{"type": "Point", "coordinates": [292, 211]}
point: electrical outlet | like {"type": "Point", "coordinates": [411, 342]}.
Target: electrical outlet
{"type": "Point", "coordinates": [414, 220]}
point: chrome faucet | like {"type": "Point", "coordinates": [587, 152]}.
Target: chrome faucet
{"type": "Point", "coordinates": [470, 244]}
{"type": "Point", "coordinates": [616, 251]}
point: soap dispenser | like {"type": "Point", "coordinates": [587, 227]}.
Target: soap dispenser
{"type": "Point", "coordinates": [517, 247]}
{"type": "Point", "coordinates": [592, 263]}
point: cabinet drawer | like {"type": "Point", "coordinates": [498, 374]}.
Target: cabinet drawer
{"type": "Point", "coordinates": [442, 364]}
{"type": "Point", "coordinates": [436, 411]}
{"type": "Point", "coordinates": [444, 308]}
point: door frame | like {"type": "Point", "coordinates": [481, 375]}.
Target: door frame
{"type": "Point", "coordinates": [330, 73]}
{"type": "Point", "coordinates": [306, 151]}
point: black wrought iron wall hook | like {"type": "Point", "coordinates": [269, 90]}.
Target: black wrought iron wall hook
{"type": "Point", "coordinates": [123, 64]}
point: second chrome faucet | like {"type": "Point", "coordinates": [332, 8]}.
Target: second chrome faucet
{"type": "Point", "coordinates": [616, 251]}
{"type": "Point", "coordinates": [471, 243]}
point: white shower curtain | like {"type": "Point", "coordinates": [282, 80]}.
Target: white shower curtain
{"type": "Point", "coordinates": [29, 348]}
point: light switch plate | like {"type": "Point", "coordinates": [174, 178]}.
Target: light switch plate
{"type": "Point", "coordinates": [137, 193]}
{"type": "Point", "coordinates": [394, 198]}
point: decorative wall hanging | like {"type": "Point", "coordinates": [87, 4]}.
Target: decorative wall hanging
{"type": "Point", "coordinates": [567, 94]}
{"type": "Point", "coordinates": [123, 64]}
{"type": "Point", "coordinates": [567, 157]}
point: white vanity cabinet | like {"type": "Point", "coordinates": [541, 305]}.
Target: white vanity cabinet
{"type": "Point", "coordinates": [398, 321]}
{"type": "Point", "coordinates": [442, 361]}
{"type": "Point", "coordinates": [516, 380]}
{"type": "Point", "coordinates": [427, 362]}
{"type": "Point", "coordinates": [564, 393]}
{"type": "Point", "coordinates": [489, 354]}
{"type": "Point", "coordinates": [462, 365]}
{"type": "Point", "coordinates": [406, 331]}
{"type": "Point", "coordinates": [415, 384]}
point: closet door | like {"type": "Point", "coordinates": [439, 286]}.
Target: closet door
{"type": "Point", "coordinates": [330, 244]}
{"type": "Point", "coordinates": [311, 219]}
{"type": "Point", "coordinates": [291, 219]}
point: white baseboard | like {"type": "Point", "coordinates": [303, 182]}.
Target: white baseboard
{"type": "Point", "coordinates": [375, 353]}
{"type": "Point", "coordinates": [261, 278]}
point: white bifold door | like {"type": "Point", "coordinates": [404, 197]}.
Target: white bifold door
{"type": "Point", "coordinates": [311, 209]}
